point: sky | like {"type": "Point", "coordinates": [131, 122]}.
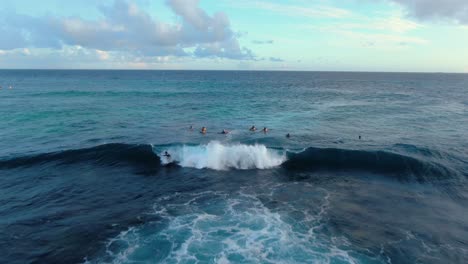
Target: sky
{"type": "Point", "coordinates": [313, 35]}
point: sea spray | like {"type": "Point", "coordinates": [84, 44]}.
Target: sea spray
{"type": "Point", "coordinates": [217, 156]}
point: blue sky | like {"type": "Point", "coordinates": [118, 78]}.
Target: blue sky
{"type": "Point", "coordinates": [323, 35]}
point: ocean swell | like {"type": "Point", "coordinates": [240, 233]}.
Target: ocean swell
{"type": "Point", "coordinates": [113, 154]}
{"type": "Point", "coordinates": [382, 162]}
{"type": "Point", "coordinates": [217, 156]}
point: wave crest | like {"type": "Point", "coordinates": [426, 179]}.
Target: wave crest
{"type": "Point", "coordinates": [364, 160]}
{"type": "Point", "coordinates": [217, 156]}
{"type": "Point", "coordinates": [214, 155]}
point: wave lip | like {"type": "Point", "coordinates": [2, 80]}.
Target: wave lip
{"type": "Point", "coordinates": [217, 156]}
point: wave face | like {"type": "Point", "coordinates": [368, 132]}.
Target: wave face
{"type": "Point", "coordinates": [107, 154]}
{"type": "Point", "coordinates": [363, 160]}
{"type": "Point", "coordinates": [217, 156]}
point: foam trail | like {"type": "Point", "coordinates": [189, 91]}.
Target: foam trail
{"type": "Point", "coordinates": [216, 156]}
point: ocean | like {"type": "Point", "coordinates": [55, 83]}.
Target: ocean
{"type": "Point", "coordinates": [374, 171]}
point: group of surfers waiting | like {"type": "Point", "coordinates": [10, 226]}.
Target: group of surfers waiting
{"type": "Point", "coordinates": [224, 131]}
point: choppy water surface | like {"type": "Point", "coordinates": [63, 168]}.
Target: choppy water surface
{"type": "Point", "coordinates": [83, 176]}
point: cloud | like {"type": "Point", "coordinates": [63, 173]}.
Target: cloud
{"type": "Point", "coordinates": [102, 55]}
{"type": "Point", "coordinates": [385, 31]}
{"type": "Point", "coordinates": [456, 10]}
{"type": "Point", "coordinates": [124, 27]}
{"type": "Point", "coordinates": [73, 57]}
{"type": "Point", "coordinates": [228, 49]}
{"type": "Point", "coordinates": [275, 59]}
{"type": "Point", "coordinates": [391, 24]}
{"type": "Point", "coordinates": [77, 57]}
{"type": "Point", "coordinates": [261, 42]}
{"type": "Point", "coordinates": [316, 11]}
{"type": "Point", "coordinates": [382, 40]}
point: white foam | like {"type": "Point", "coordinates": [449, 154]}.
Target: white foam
{"type": "Point", "coordinates": [241, 229]}
{"type": "Point", "coordinates": [217, 156]}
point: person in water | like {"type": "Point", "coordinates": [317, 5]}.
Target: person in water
{"type": "Point", "coordinates": [288, 135]}
{"type": "Point", "coordinates": [166, 154]}
{"type": "Point", "coordinates": [265, 130]}
{"type": "Point", "coordinates": [225, 131]}
{"type": "Point", "coordinates": [203, 130]}
{"type": "Point", "coordinates": [253, 128]}
{"type": "Point", "coordinates": [191, 127]}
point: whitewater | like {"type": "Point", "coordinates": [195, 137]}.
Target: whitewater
{"type": "Point", "coordinates": [217, 156]}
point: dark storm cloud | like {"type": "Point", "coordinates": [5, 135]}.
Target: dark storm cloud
{"type": "Point", "coordinates": [125, 27]}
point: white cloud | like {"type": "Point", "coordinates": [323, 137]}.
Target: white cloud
{"type": "Point", "coordinates": [26, 51]}
{"type": "Point", "coordinates": [23, 52]}
{"type": "Point", "coordinates": [388, 25]}
{"type": "Point", "coordinates": [394, 23]}
{"type": "Point", "coordinates": [311, 11]}
{"type": "Point", "coordinates": [382, 40]}
{"type": "Point", "coordinates": [77, 57]}
{"type": "Point", "coordinates": [126, 28]}
{"type": "Point", "coordinates": [230, 49]}
{"type": "Point", "coordinates": [382, 30]}
{"type": "Point", "coordinates": [102, 55]}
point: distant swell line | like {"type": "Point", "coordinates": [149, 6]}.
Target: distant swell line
{"type": "Point", "coordinates": [220, 157]}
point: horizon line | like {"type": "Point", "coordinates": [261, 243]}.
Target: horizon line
{"type": "Point", "coordinates": [226, 70]}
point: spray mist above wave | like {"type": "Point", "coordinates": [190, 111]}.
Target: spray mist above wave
{"type": "Point", "coordinates": [217, 156]}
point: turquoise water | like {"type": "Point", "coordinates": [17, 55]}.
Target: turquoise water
{"type": "Point", "coordinates": [84, 179]}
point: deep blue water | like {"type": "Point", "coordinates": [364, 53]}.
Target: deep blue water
{"type": "Point", "coordinates": [83, 178]}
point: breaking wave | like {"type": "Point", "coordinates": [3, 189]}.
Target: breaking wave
{"type": "Point", "coordinates": [217, 156]}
